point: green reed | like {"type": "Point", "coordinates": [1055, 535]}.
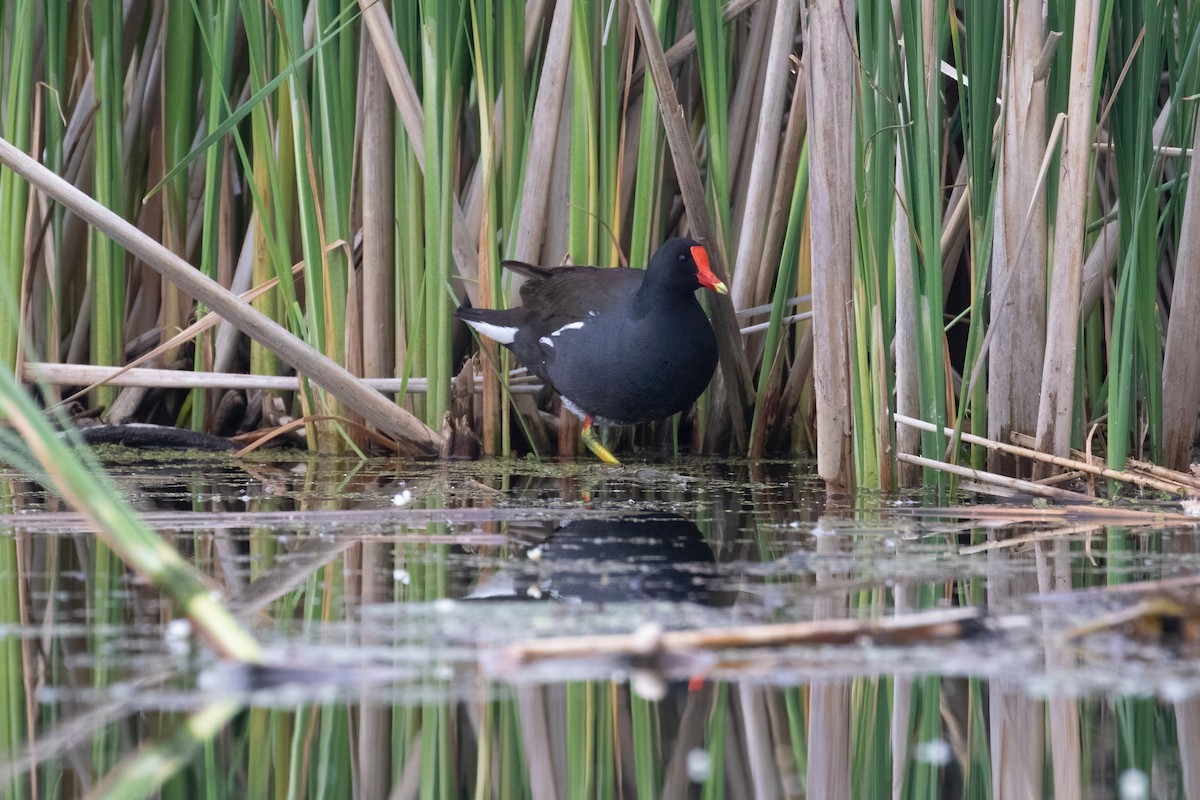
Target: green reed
{"type": "Point", "coordinates": [444, 70]}
{"type": "Point", "coordinates": [106, 271]}
{"type": "Point", "coordinates": [874, 317]}
{"type": "Point", "coordinates": [1135, 360]}
{"type": "Point", "coordinates": [179, 125]}
{"type": "Point", "coordinates": [713, 56]}
{"type": "Point", "coordinates": [647, 210]}
{"type": "Point", "coordinates": [15, 125]}
{"type": "Point", "coordinates": [978, 55]}
{"type": "Point", "coordinates": [921, 160]}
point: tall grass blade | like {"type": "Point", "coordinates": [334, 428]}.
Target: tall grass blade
{"type": "Point", "coordinates": [106, 257]}
{"type": "Point", "coordinates": [15, 125]}
{"type": "Point", "coordinates": [922, 24]}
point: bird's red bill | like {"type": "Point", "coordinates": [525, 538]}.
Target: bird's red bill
{"type": "Point", "coordinates": [708, 279]}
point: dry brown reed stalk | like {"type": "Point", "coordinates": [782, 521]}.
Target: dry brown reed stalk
{"type": "Point", "coordinates": [1058, 461]}
{"type": "Point", "coordinates": [789, 161]}
{"type": "Point", "coordinates": [1018, 320]}
{"type": "Point", "coordinates": [908, 439]}
{"type": "Point", "coordinates": [685, 45]}
{"type": "Point", "coordinates": [543, 137]}
{"type": "Point", "coordinates": [734, 367]}
{"type": "Point", "coordinates": [1029, 487]}
{"type": "Point", "coordinates": [377, 182]}
{"type": "Point", "coordinates": [415, 437]}
{"type": "Point", "coordinates": [412, 115]}
{"type": "Point", "coordinates": [956, 228]}
{"type": "Point", "coordinates": [1133, 466]}
{"type": "Point", "coordinates": [1062, 477]}
{"type": "Point", "coordinates": [77, 374]}
{"type": "Point", "coordinates": [1098, 268]}
{"type": "Point", "coordinates": [264, 437]}
{"type": "Point", "coordinates": [1181, 367]}
{"type": "Point", "coordinates": [745, 108]}
{"type": "Point", "coordinates": [1147, 468]}
{"type": "Point", "coordinates": [764, 175]}
{"type": "Point", "coordinates": [1066, 283]}
{"type": "Point", "coordinates": [832, 75]}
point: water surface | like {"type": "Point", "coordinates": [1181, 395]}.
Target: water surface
{"type": "Point", "coordinates": [502, 629]}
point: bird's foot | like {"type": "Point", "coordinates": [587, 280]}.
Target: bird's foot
{"type": "Point", "coordinates": [588, 434]}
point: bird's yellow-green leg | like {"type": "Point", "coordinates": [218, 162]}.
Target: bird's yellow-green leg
{"type": "Point", "coordinates": [593, 443]}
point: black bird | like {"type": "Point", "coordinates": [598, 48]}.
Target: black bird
{"type": "Point", "coordinates": [621, 346]}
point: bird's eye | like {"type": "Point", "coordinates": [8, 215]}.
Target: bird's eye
{"type": "Point", "coordinates": [683, 258]}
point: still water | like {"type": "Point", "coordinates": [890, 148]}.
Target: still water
{"type": "Point", "coordinates": [521, 629]}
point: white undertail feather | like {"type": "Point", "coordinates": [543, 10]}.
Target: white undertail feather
{"type": "Point", "coordinates": [497, 333]}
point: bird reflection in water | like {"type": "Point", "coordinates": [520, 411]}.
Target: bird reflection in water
{"type": "Point", "coordinates": [659, 557]}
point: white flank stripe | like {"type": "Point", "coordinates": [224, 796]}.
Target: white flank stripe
{"type": "Point", "coordinates": [497, 333]}
{"type": "Point", "coordinates": [570, 326]}
{"type": "Point", "coordinates": [546, 340]}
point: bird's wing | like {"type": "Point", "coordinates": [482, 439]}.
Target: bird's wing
{"type": "Point", "coordinates": [558, 295]}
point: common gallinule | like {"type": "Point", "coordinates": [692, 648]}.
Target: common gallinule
{"type": "Point", "coordinates": [621, 346]}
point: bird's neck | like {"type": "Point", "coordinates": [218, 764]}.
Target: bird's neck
{"type": "Point", "coordinates": [651, 294]}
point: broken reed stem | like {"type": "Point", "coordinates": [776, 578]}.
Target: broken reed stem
{"type": "Point", "coordinates": [1165, 473]}
{"type": "Point", "coordinates": [1134, 465]}
{"type": "Point", "coordinates": [1046, 458]}
{"type": "Point", "coordinates": [1029, 487]}
{"type": "Point", "coordinates": [926, 626]}
{"type": "Point", "coordinates": [76, 374]}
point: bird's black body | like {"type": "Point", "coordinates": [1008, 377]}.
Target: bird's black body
{"type": "Point", "coordinates": [620, 345]}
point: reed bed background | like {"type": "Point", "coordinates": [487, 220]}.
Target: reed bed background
{"type": "Point", "coordinates": [987, 241]}
{"type": "Point", "coordinates": [970, 213]}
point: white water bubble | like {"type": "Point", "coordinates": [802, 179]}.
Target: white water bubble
{"type": "Point", "coordinates": [1133, 785]}
{"type": "Point", "coordinates": [699, 765]}
{"type": "Point", "coordinates": [935, 751]}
